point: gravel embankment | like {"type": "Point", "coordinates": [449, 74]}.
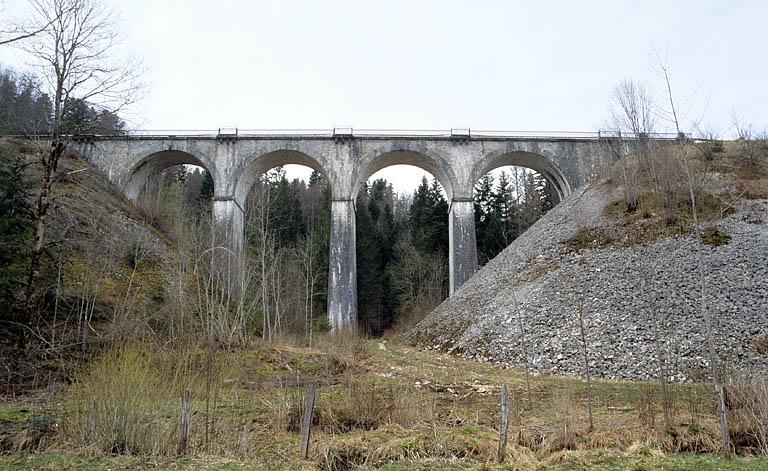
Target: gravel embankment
{"type": "Point", "coordinates": [616, 289]}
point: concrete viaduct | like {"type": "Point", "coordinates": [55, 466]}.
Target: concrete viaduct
{"type": "Point", "coordinates": [346, 160]}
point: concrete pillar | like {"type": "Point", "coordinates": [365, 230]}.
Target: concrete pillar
{"type": "Point", "coordinates": [342, 266]}
{"type": "Point", "coordinates": [462, 250]}
{"type": "Point", "coordinates": [229, 227]}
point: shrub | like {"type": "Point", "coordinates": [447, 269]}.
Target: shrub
{"type": "Point", "coordinates": [747, 401]}
{"type": "Point", "coordinates": [322, 325]}
{"type": "Point", "coordinates": [713, 237]}
{"type": "Point", "coordinates": [127, 402]}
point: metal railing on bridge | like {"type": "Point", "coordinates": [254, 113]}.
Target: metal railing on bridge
{"type": "Point", "coordinates": [348, 132]}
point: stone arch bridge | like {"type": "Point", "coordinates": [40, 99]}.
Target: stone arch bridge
{"type": "Point", "coordinates": [456, 159]}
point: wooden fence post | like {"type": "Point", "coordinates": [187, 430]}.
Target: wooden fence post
{"type": "Point", "coordinates": [306, 423]}
{"type": "Point", "coordinates": [504, 422]}
{"type": "Point", "coordinates": [186, 422]}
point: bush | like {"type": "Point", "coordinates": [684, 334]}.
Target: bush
{"type": "Point", "coordinates": [322, 325]}
{"type": "Point", "coordinates": [747, 401]}
{"type": "Point", "coordinates": [128, 401]}
{"type": "Point", "coordinates": [713, 237]}
{"type": "Point", "coordinates": [710, 149]}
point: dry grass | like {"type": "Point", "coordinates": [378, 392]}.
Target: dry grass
{"type": "Point", "coordinates": [747, 400]}
{"type": "Point", "coordinates": [396, 444]}
{"type": "Point", "coordinates": [397, 406]}
{"type": "Point", "coordinates": [119, 404]}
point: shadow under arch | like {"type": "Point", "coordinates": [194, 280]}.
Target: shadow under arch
{"type": "Point", "coordinates": [429, 163]}
{"type": "Point", "coordinates": [533, 161]}
{"type": "Point", "coordinates": [157, 162]}
{"type": "Point", "coordinates": [255, 167]}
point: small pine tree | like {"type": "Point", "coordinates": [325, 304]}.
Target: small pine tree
{"type": "Point", "coordinates": [206, 189]}
{"type": "Point", "coordinates": [15, 230]}
{"type": "Point", "coordinates": [547, 195]}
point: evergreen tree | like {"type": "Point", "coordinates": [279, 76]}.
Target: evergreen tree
{"type": "Point", "coordinates": [79, 117]}
{"type": "Point", "coordinates": [206, 189]}
{"type": "Point", "coordinates": [531, 205]}
{"type": "Point", "coordinates": [23, 109]}
{"type": "Point", "coordinates": [316, 179]}
{"type": "Point", "coordinates": [439, 218]}
{"type": "Point", "coordinates": [369, 296]}
{"type": "Point", "coordinates": [285, 218]}
{"type": "Point", "coordinates": [547, 193]}
{"type": "Point", "coordinates": [380, 204]}
{"type": "Point", "coordinates": [504, 211]}
{"type": "Point", "coordinates": [428, 218]}
{"type": "Point", "coordinates": [320, 239]}
{"type": "Point", "coordinates": [15, 230]}
{"type": "Point", "coordinates": [483, 202]}
{"type": "Point", "coordinates": [419, 217]}
{"type": "Point", "coordinates": [492, 239]}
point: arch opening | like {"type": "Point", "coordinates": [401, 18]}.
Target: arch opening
{"type": "Point", "coordinates": [429, 164]}
{"type": "Point", "coordinates": [262, 164]}
{"type": "Point", "coordinates": [174, 190]}
{"type": "Point", "coordinates": [530, 160]}
{"type": "Point", "coordinates": [401, 218]}
{"type": "Point", "coordinates": [511, 193]}
{"type": "Point", "coordinates": [153, 165]}
{"type": "Point", "coordinates": [286, 197]}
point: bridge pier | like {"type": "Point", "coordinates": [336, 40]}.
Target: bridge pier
{"type": "Point", "coordinates": [462, 250]}
{"type": "Point", "coordinates": [229, 230]}
{"type": "Point", "coordinates": [342, 266]}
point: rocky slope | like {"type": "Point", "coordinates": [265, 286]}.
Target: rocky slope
{"type": "Point", "coordinates": [522, 308]}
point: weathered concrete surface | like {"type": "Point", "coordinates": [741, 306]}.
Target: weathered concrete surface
{"type": "Point", "coordinates": [229, 224]}
{"type": "Point", "coordinates": [342, 266]}
{"type": "Point", "coordinates": [235, 164]}
{"type": "Point", "coordinates": [462, 259]}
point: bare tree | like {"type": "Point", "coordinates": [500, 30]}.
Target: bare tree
{"type": "Point", "coordinates": [663, 68]}
{"type": "Point", "coordinates": [746, 137]}
{"type": "Point", "coordinates": [658, 328]}
{"type": "Point", "coordinates": [632, 123]}
{"type": "Point", "coordinates": [19, 33]}
{"type": "Point", "coordinates": [76, 55]}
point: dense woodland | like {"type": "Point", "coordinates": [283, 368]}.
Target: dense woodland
{"type": "Point", "coordinates": [25, 111]}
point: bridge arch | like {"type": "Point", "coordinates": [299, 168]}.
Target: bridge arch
{"type": "Point", "coordinates": [252, 168]}
{"type": "Point", "coordinates": [425, 160]}
{"type": "Point", "coordinates": [522, 158]}
{"type": "Point", "coordinates": [156, 162]}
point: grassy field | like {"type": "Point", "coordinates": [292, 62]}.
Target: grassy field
{"type": "Point", "coordinates": [380, 405]}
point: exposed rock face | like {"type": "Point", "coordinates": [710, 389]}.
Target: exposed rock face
{"type": "Point", "coordinates": [616, 289]}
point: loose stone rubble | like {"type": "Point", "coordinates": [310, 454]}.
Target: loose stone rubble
{"type": "Point", "coordinates": [522, 308]}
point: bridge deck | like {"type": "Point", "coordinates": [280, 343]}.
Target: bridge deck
{"type": "Point", "coordinates": [269, 134]}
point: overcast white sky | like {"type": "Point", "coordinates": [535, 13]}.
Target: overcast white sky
{"type": "Point", "coordinates": [498, 65]}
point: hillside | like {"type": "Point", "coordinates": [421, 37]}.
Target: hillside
{"type": "Point", "coordinates": [107, 272]}
{"type": "Point", "coordinates": [522, 308]}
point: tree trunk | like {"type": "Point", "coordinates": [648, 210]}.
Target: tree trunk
{"type": "Point", "coordinates": [41, 222]}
